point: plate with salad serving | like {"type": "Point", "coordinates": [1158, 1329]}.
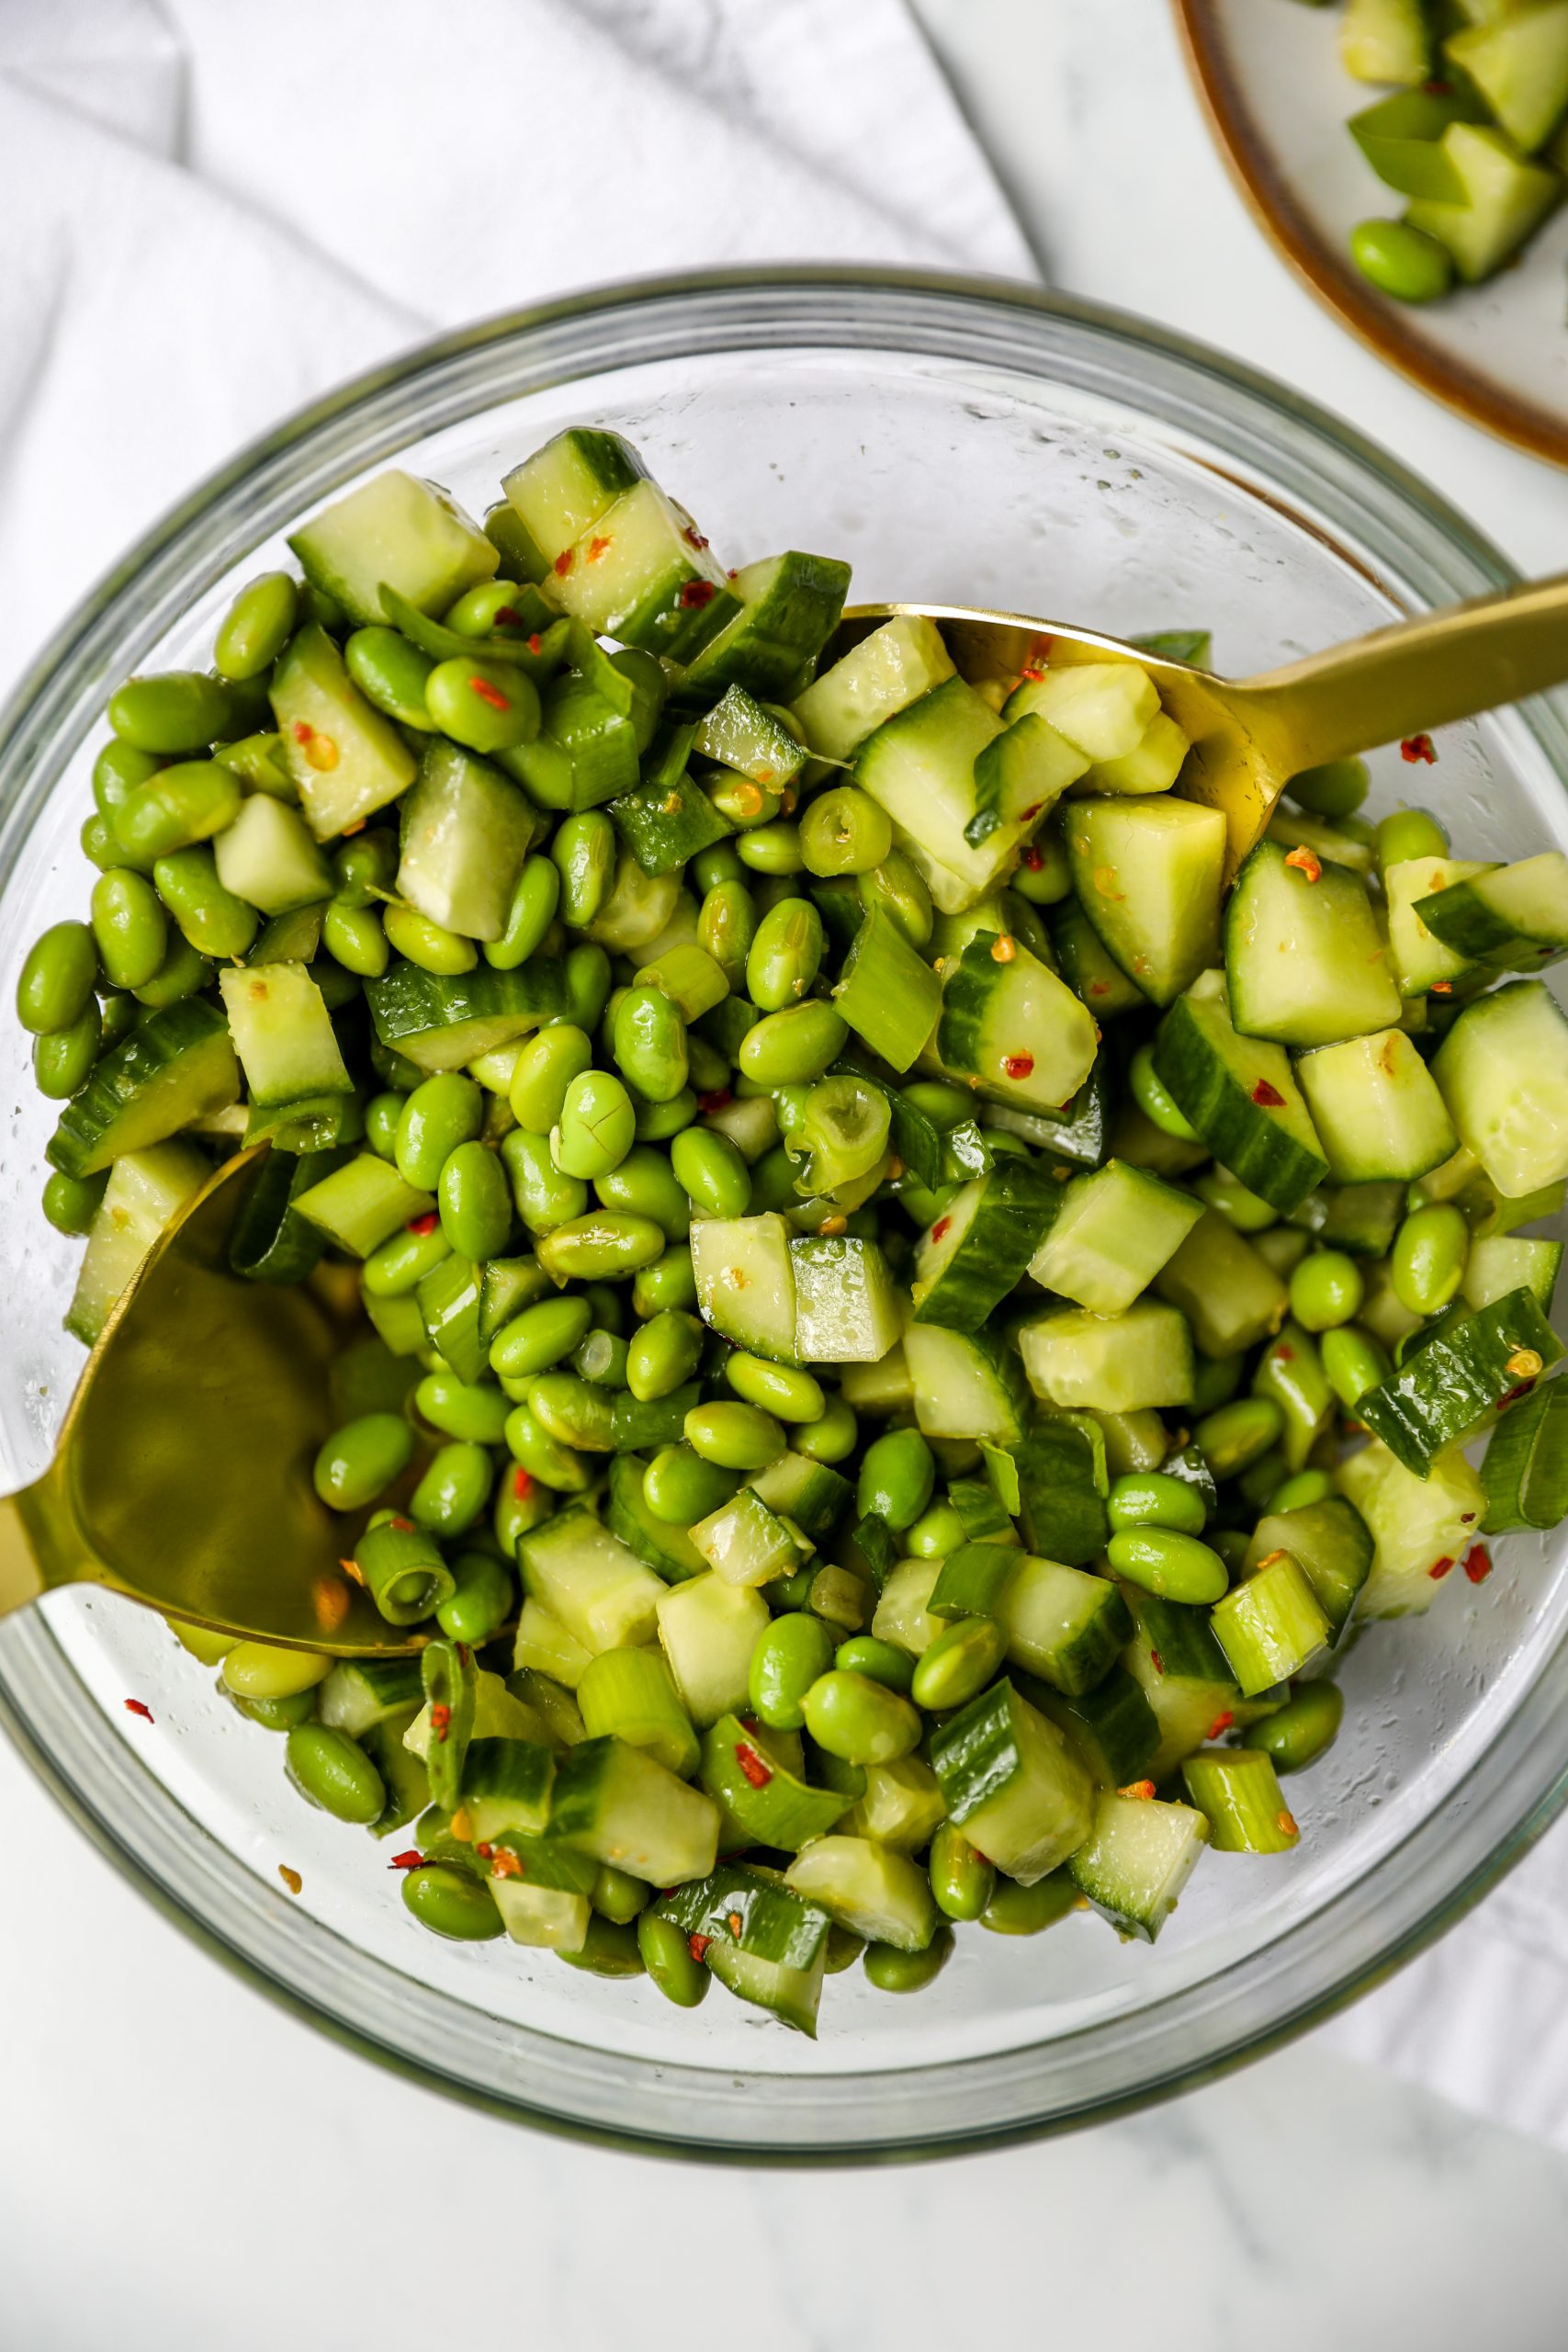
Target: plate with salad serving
{"type": "Point", "coordinates": [1409, 158]}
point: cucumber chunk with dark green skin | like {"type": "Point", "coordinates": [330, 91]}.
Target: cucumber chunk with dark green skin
{"type": "Point", "coordinates": [179, 1066]}
{"type": "Point", "coordinates": [440, 1020]}
{"type": "Point", "coordinates": [1242, 1097]}
{"type": "Point", "coordinates": [1304, 964]}
{"type": "Point", "coordinates": [1453, 1380]}
{"type": "Point", "coordinates": [1511, 918]}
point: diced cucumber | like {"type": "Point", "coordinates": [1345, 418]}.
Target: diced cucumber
{"type": "Point", "coordinates": [638, 911]}
{"type": "Point", "coordinates": [1270, 1626]}
{"type": "Point", "coordinates": [1526, 1469]}
{"type": "Point", "coordinates": [807, 1492]}
{"type": "Point", "coordinates": [1331, 1544]}
{"type": "Point", "coordinates": [1385, 40]}
{"type": "Point", "coordinates": [1420, 958]}
{"type": "Point", "coordinates": [622, 1806]}
{"type": "Point", "coordinates": [1112, 1729]}
{"type": "Point", "coordinates": [1519, 63]}
{"type": "Point", "coordinates": [667, 822]}
{"type": "Point", "coordinates": [592, 1582]}
{"type": "Point", "coordinates": [1013, 1027]}
{"type": "Point", "coordinates": [346, 759]}
{"type": "Point", "coordinates": [268, 857]}
{"type": "Point", "coordinates": [1230, 1295]}
{"type": "Point", "coordinates": [507, 1787]}
{"type": "Point", "coordinates": [1304, 964]}
{"type": "Point", "coordinates": [887, 993]}
{"type": "Point", "coordinates": [145, 1192]}
{"type": "Point", "coordinates": [746, 1284]}
{"type": "Point", "coordinates": [399, 529]}
{"type": "Point", "coordinates": [544, 1918]}
{"type": "Point", "coordinates": [642, 574]}
{"type": "Point", "coordinates": [1240, 1095]}
{"type": "Point", "coordinates": [1502, 1070]}
{"type": "Point", "coordinates": [497, 1715]}
{"type": "Point", "coordinates": [362, 1203]}
{"type": "Point", "coordinates": [1183, 1674]}
{"type": "Point", "coordinates": [543, 1646]}
{"type": "Point", "coordinates": [1294, 829]}
{"type": "Point", "coordinates": [466, 832]}
{"type": "Point", "coordinates": [1148, 875]}
{"type": "Point", "coordinates": [756, 1789]}
{"type": "Point", "coordinates": [920, 765]}
{"type": "Point", "coordinates": [563, 489]}
{"type": "Point", "coordinates": [1062, 1624]}
{"type": "Point", "coordinates": [1131, 1362]}
{"type": "Point", "coordinates": [1360, 1218]}
{"type": "Point", "coordinates": [1506, 199]}
{"type": "Point", "coordinates": [789, 608]}
{"type": "Point", "coordinates": [709, 1630]}
{"type": "Point", "coordinates": [1510, 918]}
{"type": "Point", "coordinates": [1136, 1860]}
{"type": "Point", "coordinates": [1416, 1525]}
{"type": "Point", "coordinates": [1114, 1232]}
{"type": "Point", "coordinates": [1498, 1263]}
{"type": "Point", "coordinates": [1237, 1791]}
{"type": "Point", "coordinates": [900, 1806]}
{"type": "Point", "coordinates": [872, 1890]}
{"type": "Point", "coordinates": [903, 1615]}
{"type": "Point", "coordinates": [979, 1247]}
{"type": "Point", "coordinates": [966, 1384]}
{"type": "Point", "coordinates": [585, 751]}
{"type": "Point", "coordinates": [880, 676]}
{"type": "Point", "coordinates": [1376, 1109]}
{"type": "Point", "coordinates": [744, 1542]}
{"type": "Point", "coordinates": [880, 1388]}
{"type": "Point", "coordinates": [176, 1066]}
{"type": "Point", "coordinates": [1012, 1784]}
{"type": "Point", "coordinates": [1399, 138]}
{"type": "Point", "coordinates": [739, 734]}
{"type": "Point", "coordinates": [1152, 765]}
{"type": "Point", "coordinates": [1090, 971]}
{"type": "Point", "coordinates": [282, 1033]}
{"type": "Point", "coordinates": [846, 1310]}
{"type": "Point", "coordinates": [442, 1021]}
{"type": "Point", "coordinates": [1059, 1474]}
{"type": "Point", "coordinates": [449, 1299]}
{"type": "Point", "coordinates": [1019, 777]}
{"type": "Point", "coordinates": [1465, 1366]}
{"type": "Point", "coordinates": [1106, 708]}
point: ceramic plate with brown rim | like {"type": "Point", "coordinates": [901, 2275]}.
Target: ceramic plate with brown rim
{"type": "Point", "coordinates": [1269, 75]}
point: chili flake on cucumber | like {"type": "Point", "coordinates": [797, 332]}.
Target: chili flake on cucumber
{"type": "Point", "coordinates": [906, 1326]}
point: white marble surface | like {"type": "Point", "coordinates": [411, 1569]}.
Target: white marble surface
{"type": "Point", "coordinates": [183, 2166]}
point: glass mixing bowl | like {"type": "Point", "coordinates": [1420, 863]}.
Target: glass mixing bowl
{"type": "Point", "coordinates": [962, 444]}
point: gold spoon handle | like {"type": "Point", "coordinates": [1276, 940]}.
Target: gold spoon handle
{"type": "Point", "coordinates": [1415, 675]}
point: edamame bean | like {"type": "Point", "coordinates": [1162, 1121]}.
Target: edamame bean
{"type": "Point", "coordinates": [354, 937]}
{"type": "Point", "coordinates": [650, 1044]}
{"type": "Point", "coordinates": [896, 1478]}
{"type": "Point", "coordinates": [118, 770]}
{"type": "Point", "coordinates": [1306, 1486]}
{"type": "Point", "coordinates": [791, 1654]}
{"type": "Point", "coordinates": [727, 925]}
{"type": "Point", "coordinates": [1215, 1380]}
{"type": "Point", "coordinates": [1153, 1499]}
{"type": "Point", "coordinates": [572, 1411]}
{"type": "Point", "coordinates": [844, 830]}
{"type": "Point", "coordinates": [770, 849]}
{"type": "Point", "coordinates": [171, 711]}
{"type": "Point", "coordinates": [736, 1437]}
{"type": "Point", "coordinates": [259, 763]}
{"type": "Point", "coordinates": [597, 1125]}
{"type": "Point", "coordinates": [663, 1355]}
{"type": "Point", "coordinates": [670, 1282]}
{"type": "Point", "coordinates": [180, 805]}
{"type": "Point", "coordinates": [258, 1670]}
{"type": "Point", "coordinates": [1239, 1434]}
{"type": "Point", "coordinates": [530, 915]}
{"type": "Point", "coordinates": [130, 927]}
{"type": "Point", "coordinates": [213, 921]}
{"type": "Point", "coordinates": [864, 1653]}
{"type": "Point", "coordinates": [454, 1490]}
{"type": "Point", "coordinates": [182, 973]}
{"type": "Point", "coordinates": [597, 1247]}
{"type": "Point", "coordinates": [1297, 1734]}
{"type": "Point", "coordinates": [1428, 1261]}
{"type": "Point", "coordinates": [963, 1880]}
{"type": "Point", "coordinates": [362, 1457]}
{"type": "Point", "coordinates": [119, 1017]}
{"type": "Point", "coordinates": [711, 1171]}
{"type": "Point", "coordinates": [644, 1183]}
{"type": "Point", "coordinates": [256, 627]}
{"type": "Point", "coordinates": [365, 866]}
{"type": "Point", "coordinates": [585, 848]}
{"type": "Point", "coordinates": [793, 1047]}
{"type": "Point", "coordinates": [892, 1970]}
{"type": "Point", "coordinates": [488, 706]}
{"type": "Point", "coordinates": [446, 1111]}
{"type": "Point", "coordinates": [935, 1533]}
{"type": "Point", "coordinates": [391, 674]}
{"type": "Point", "coordinates": [786, 956]}
{"type": "Point", "coordinates": [1015, 1910]}
{"type": "Point", "coordinates": [429, 944]}
{"type": "Point", "coordinates": [1402, 261]}
{"type": "Point", "coordinates": [100, 847]}
{"type": "Point", "coordinates": [587, 975]}
{"type": "Point", "coordinates": [453, 1903]}
{"type": "Point", "coordinates": [656, 1122]}
{"type": "Point", "coordinates": [332, 1771]}
{"type": "Point", "coordinates": [1230, 1198]}
{"type": "Point", "coordinates": [544, 1199]}
{"type": "Point", "coordinates": [71, 1202]}
{"type": "Point", "coordinates": [1176, 1566]}
{"type": "Point", "coordinates": [63, 1062]}
{"type": "Point", "coordinates": [545, 1067]}
{"type": "Point", "coordinates": [541, 1336]}
{"type": "Point", "coordinates": [959, 1663]}
{"type": "Point", "coordinates": [554, 1466]}
{"type": "Point", "coordinates": [898, 887]}
{"type": "Point", "coordinates": [57, 978]}
{"type": "Point", "coordinates": [1154, 1098]}
{"type": "Point", "coordinates": [667, 1955]}
{"type": "Point", "coordinates": [831, 1439]}
{"type": "Point", "coordinates": [275, 1714]}
{"type": "Point", "coordinates": [522, 1503]}
{"type": "Point", "coordinates": [1326, 1289]}
{"type": "Point", "coordinates": [851, 1716]}
{"type": "Point", "coordinates": [471, 1412]}
{"type": "Point", "coordinates": [475, 1203]}
{"type": "Point", "coordinates": [402, 1262]}
{"type": "Point", "coordinates": [776, 1388]}
{"type": "Point", "coordinates": [617, 1896]}
{"type": "Point", "coordinates": [681, 1487]}
{"type": "Point", "coordinates": [707, 1070]}
{"type": "Point", "coordinates": [481, 1602]}
{"type": "Point", "coordinates": [1336, 789]}
{"type": "Point", "coordinates": [1407, 833]}
{"type": "Point", "coordinates": [1353, 1362]}
{"type": "Point", "coordinates": [608, 1950]}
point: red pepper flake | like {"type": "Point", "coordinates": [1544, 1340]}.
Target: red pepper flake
{"type": "Point", "coordinates": [401, 1526]}
{"type": "Point", "coordinates": [1286, 1823]}
{"type": "Point", "coordinates": [1141, 1788]}
{"type": "Point", "coordinates": [1019, 1066]}
{"type": "Point", "coordinates": [1512, 1396]}
{"type": "Point", "coordinates": [1003, 950]}
{"type": "Point", "coordinates": [563, 563]}
{"type": "Point", "coordinates": [735, 1923]}
{"type": "Point", "coordinates": [1440, 1568]}
{"type": "Point", "coordinates": [596, 549]}
{"type": "Point", "coordinates": [507, 617]}
{"type": "Point", "coordinates": [752, 1764]}
{"type": "Point", "coordinates": [505, 1864]}
{"type": "Point", "coordinates": [1031, 860]}
{"type": "Point", "coordinates": [485, 1850]}
{"type": "Point", "coordinates": [441, 1723]}
{"type": "Point", "coordinates": [1478, 1563]}
{"type": "Point", "coordinates": [489, 693]}
{"type": "Point", "coordinates": [302, 731]}
{"type": "Point", "coordinates": [1284, 1353]}
{"type": "Point", "coordinates": [1030, 675]}
{"type": "Point", "coordinates": [1436, 87]}
{"type": "Point", "coordinates": [1418, 747]}
{"type": "Point", "coordinates": [693, 537]}
{"type": "Point", "coordinates": [291, 1879]}
{"type": "Point", "coordinates": [939, 1228]}
{"type": "Point", "coordinates": [355, 825]}
{"type": "Point", "coordinates": [1221, 1722]}
{"type": "Point", "coordinates": [696, 593]}
{"type": "Point", "coordinates": [1442, 987]}
{"type": "Point", "coordinates": [138, 1707]}
{"type": "Point", "coordinates": [697, 1946]}
{"type": "Point", "coordinates": [522, 1483]}
{"type": "Point", "coordinates": [1156, 1661]}
{"type": "Point", "coordinates": [411, 1858]}
{"type": "Point", "coordinates": [1306, 861]}
{"type": "Point", "coordinates": [718, 1098]}
{"type": "Point", "coordinates": [423, 1224]}
{"type": "Point", "coordinates": [536, 643]}
{"type": "Point", "coordinates": [1268, 1098]}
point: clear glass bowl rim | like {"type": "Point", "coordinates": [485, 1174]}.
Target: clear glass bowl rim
{"type": "Point", "coordinates": [1283, 449]}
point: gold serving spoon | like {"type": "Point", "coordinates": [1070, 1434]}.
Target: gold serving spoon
{"type": "Point", "coordinates": [183, 1475]}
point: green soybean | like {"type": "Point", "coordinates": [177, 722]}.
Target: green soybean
{"type": "Point", "coordinates": [862, 1721]}
{"type": "Point", "coordinates": [786, 956]}
{"type": "Point", "coordinates": [587, 975]}
{"type": "Point", "coordinates": [129, 928]}
{"type": "Point", "coordinates": [256, 627]}
{"type": "Point", "coordinates": [119, 1018]}
{"type": "Point", "coordinates": [666, 1952]}
{"type": "Point", "coordinates": [963, 1880]}
{"type": "Point", "coordinates": [572, 1411]}
{"type": "Point", "coordinates": [101, 849]}
{"type": "Point", "coordinates": [180, 805]}
{"type": "Point", "coordinates": [1151, 1498]}
{"type": "Point", "coordinates": [711, 1171]}
{"type": "Point", "coordinates": [361, 1458]}
{"type": "Point", "coordinates": [959, 1664]}
{"type": "Point", "coordinates": [735, 1437]}
{"type": "Point", "coordinates": [1326, 1289]}
{"type": "Point", "coordinates": [63, 1062]}
{"type": "Point", "coordinates": [171, 711]}
{"type": "Point", "coordinates": [1239, 1434]}
{"type": "Point", "coordinates": [260, 764]}
{"type": "Point", "coordinates": [331, 1770]}
{"type": "Point", "coordinates": [864, 1653]}
{"type": "Point", "coordinates": [446, 1111]}
{"type": "Point", "coordinates": [71, 1202]}
{"type": "Point", "coordinates": [585, 848]}
{"type": "Point", "coordinates": [597, 1125]}
{"type": "Point", "coordinates": [1428, 1261]}
{"type": "Point", "coordinates": [530, 915]}
{"type": "Point", "coordinates": [1015, 1910]}
{"type": "Point", "coordinates": [844, 830]}
{"type": "Point", "coordinates": [454, 1490]}
{"type": "Point", "coordinates": [776, 1388]}
{"type": "Point", "coordinates": [892, 1970]}
{"type": "Point", "coordinates": [211, 919]}
{"type": "Point", "coordinates": [544, 1199]}
{"type": "Point", "coordinates": [791, 1654]}
{"type": "Point", "coordinates": [1402, 261]}
{"type": "Point", "coordinates": [727, 923]}
{"type": "Point", "coordinates": [354, 937]}
{"type": "Point", "coordinates": [896, 1477]}
{"type": "Point", "coordinates": [116, 771]}
{"type": "Point", "coordinates": [656, 1122]}
{"type": "Point", "coordinates": [663, 1355]}
{"type": "Point", "coordinates": [597, 1247]}
{"type": "Point", "coordinates": [1334, 789]}
{"type": "Point", "coordinates": [488, 706]}
{"type": "Point", "coordinates": [831, 1439]}
{"type": "Point", "coordinates": [1154, 1099]}
{"type": "Point", "coordinates": [650, 1044]}
{"type": "Point", "coordinates": [365, 866]}
{"type": "Point", "coordinates": [391, 674]}
{"type": "Point", "coordinates": [475, 1203]}
{"type": "Point", "coordinates": [609, 1949]}
{"type": "Point", "coordinates": [1298, 1732]}
{"type": "Point", "coordinates": [670, 1281]}
{"type": "Point", "coordinates": [403, 1262]}
{"type": "Point", "coordinates": [1162, 1561]}
{"type": "Point", "coordinates": [451, 1902]}
{"type": "Point", "coordinates": [259, 1670]}
{"type": "Point", "coordinates": [541, 1336]}
{"type": "Point", "coordinates": [770, 849]}
{"type": "Point", "coordinates": [645, 1183]}
{"type": "Point", "coordinates": [481, 1601]}
{"type": "Point", "coordinates": [471, 1412]}
{"type": "Point", "coordinates": [429, 944]}
{"type": "Point", "coordinates": [182, 973]}
{"type": "Point", "coordinates": [679, 1486]}
{"type": "Point", "coordinates": [1407, 833]}
{"type": "Point", "coordinates": [1353, 1362]}
{"type": "Point", "coordinates": [935, 1533]}
{"type": "Point", "coordinates": [57, 977]}
{"type": "Point", "coordinates": [1306, 1486]}
{"type": "Point", "coordinates": [793, 1047]}
{"type": "Point", "coordinates": [545, 1067]}
{"type": "Point", "coordinates": [553, 1465]}
{"type": "Point", "coordinates": [1215, 1380]}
